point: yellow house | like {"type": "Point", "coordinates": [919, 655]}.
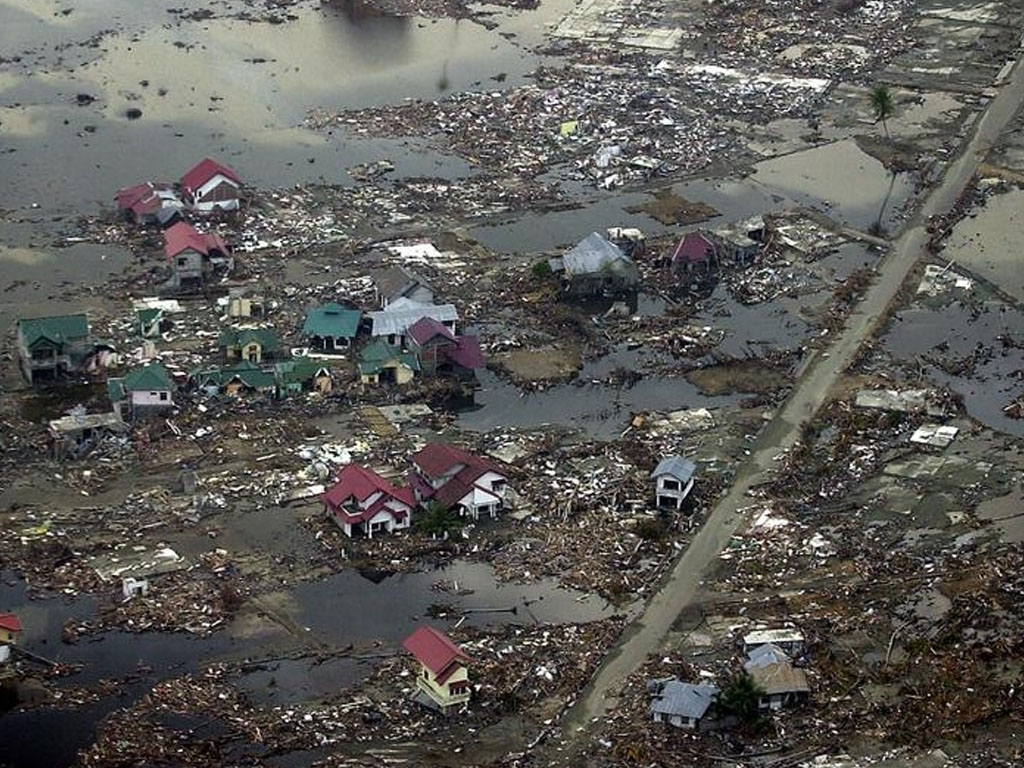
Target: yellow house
{"type": "Point", "coordinates": [10, 626]}
{"type": "Point", "coordinates": [443, 678]}
{"type": "Point", "coordinates": [380, 363]}
{"type": "Point", "coordinates": [249, 344]}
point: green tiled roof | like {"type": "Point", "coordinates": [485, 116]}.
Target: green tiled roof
{"type": "Point", "coordinates": [377, 355]}
{"type": "Point", "coordinates": [332, 320]}
{"type": "Point", "coordinates": [239, 337]}
{"type": "Point", "coordinates": [297, 371]}
{"type": "Point", "coordinates": [248, 373]}
{"type": "Point", "coordinates": [60, 329]}
{"type": "Point", "coordinates": [153, 378]}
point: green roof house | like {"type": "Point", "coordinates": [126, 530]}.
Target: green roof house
{"type": "Point", "coordinates": [142, 391]}
{"type": "Point", "coordinates": [251, 344]}
{"type": "Point", "coordinates": [296, 376]}
{"type": "Point", "coordinates": [241, 378]}
{"type": "Point", "coordinates": [50, 347]}
{"type": "Point", "coordinates": [380, 363]}
{"type": "Point", "coordinates": [331, 328]}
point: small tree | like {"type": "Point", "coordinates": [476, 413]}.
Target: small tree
{"type": "Point", "coordinates": [438, 520]}
{"type": "Point", "coordinates": [742, 698]}
{"type": "Point", "coordinates": [882, 104]}
{"type": "Point", "coordinates": [541, 270]}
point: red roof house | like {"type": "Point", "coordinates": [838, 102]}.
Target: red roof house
{"type": "Point", "coordinates": [210, 185]}
{"type": "Point", "coordinates": [193, 255]}
{"type": "Point", "coordinates": [10, 626]}
{"type": "Point", "coordinates": [458, 480]}
{"type": "Point", "coordinates": [696, 249]}
{"type": "Point", "coordinates": [427, 329]}
{"type": "Point", "coordinates": [143, 202]}
{"type": "Point", "coordinates": [444, 682]}
{"type": "Point", "coordinates": [466, 354]}
{"type": "Point", "coordinates": [364, 503]}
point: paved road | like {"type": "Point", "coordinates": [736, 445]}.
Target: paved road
{"type": "Point", "coordinates": [644, 636]}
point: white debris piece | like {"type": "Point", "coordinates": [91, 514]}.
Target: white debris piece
{"type": "Point", "coordinates": [933, 434]}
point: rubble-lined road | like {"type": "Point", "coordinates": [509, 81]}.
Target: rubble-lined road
{"type": "Point", "coordinates": [644, 636]}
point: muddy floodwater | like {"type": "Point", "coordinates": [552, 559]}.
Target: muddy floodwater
{"type": "Point", "coordinates": [224, 87]}
{"type": "Point", "coordinates": [372, 615]}
{"type": "Point", "coordinates": [951, 343]}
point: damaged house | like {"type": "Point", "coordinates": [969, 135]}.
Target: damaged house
{"type": "Point", "coordinates": [362, 503]}
{"type": "Point", "coordinates": [195, 258]}
{"type": "Point", "coordinates": [443, 679]}
{"type": "Point", "coordinates": [673, 481]}
{"type": "Point", "coordinates": [209, 186]}
{"type": "Point", "coordinates": [396, 283]}
{"type": "Point", "coordinates": [441, 352]}
{"type": "Point", "coordinates": [149, 203]}
{"type": "Point", "coordinates": [458, 480]}
{"type": "Point", "coordinates": [52, 347]}
{"type": "Point", "coordinates": [76, 434]}
{"type": "Point", "coordinates": [596, 266]}
{"type": "Point", "coordinates": [392, 324]}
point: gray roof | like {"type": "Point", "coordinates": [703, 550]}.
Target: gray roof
{"type": "Point", "coordinates": [676, 466]}
{"type": "Point", "coordinates": [592, 254]}
{"type": "Point", "coordinates": [402, 313]}
{"type": "Point", "coordinates": [683, 699]}
{"type": "Point", "coordinates": [397, 281]}
{"type": "Point", "coordinates": [765, 655]}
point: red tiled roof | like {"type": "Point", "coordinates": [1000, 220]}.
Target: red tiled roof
{"type": "Point", "coordinates": [204, 171]}
{"type": "Point", "coordinates": [183, 236]}
{"type": "Point", "coordinates": [693, 249]}
{"type": "Point", "coordinates": [360, 483]}
{"type": "Point", "coordinates": [434, 650]}
{"type": "Point", "coordinates": [467, 354]}
{"type": "Point", "coordinates": [10, 622]}
{"type": "Point", "coordinates": [437, 459]}
{"type": "Point", "coordinates": [128, 196]}
{"type": "Point", "coordinates": [427, 328]}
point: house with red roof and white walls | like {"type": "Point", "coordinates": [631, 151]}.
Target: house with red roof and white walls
{"type": "Point", "coordinates": [362, 503]}
{"type": "Point", "coordinates": [442, 682]}
{"type": "Point", "coordinates": [458, 480]}
{"type": "Point", "coordinates": [149, 202]}
{"type": "Point", "coordinates": [210, 186]}
{"type": "Point", "coordinates": [10, 628]}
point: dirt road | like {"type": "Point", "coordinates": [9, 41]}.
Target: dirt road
{"type": "Point", "coordinates": [645, 634]}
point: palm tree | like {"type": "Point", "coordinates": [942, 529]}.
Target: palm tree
{"type": "Point", "coordinates": [741, 698]}
{"type": "Point", "coordinates": [438, 520]}
{"type": "Point", "coordinates": [882, 104]}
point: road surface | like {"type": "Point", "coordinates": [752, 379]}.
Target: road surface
{"type": "Point", "coordinates": [644, 636]}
